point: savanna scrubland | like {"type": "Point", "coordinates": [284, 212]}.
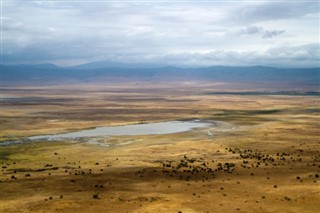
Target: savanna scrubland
{"type": "Point", "coordinates": [261, 155]}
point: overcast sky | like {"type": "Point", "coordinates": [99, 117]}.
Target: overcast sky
{"type": "Point", "coordinates": [283, 34]}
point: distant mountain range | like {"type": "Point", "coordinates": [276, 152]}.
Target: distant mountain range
{"type": "Point", "coordinates": [105, 71]}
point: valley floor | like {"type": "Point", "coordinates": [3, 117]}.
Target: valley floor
{"type": "Point", "coordinates": [262, 156]}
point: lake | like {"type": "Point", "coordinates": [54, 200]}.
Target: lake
{"type": "Point", "coordinates": [167, 127]}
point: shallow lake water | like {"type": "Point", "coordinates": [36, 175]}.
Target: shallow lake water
{"type": "Point", "coordinates": [136, 129]}
{"type": "Point", "coordinates": [167, 127]}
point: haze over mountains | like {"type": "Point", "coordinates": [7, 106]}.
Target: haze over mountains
{"type": "Point", "coordinates": [104, 71]}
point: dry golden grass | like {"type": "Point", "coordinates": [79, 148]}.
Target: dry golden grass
{"type": "Point", "coordinates": [270, 142]}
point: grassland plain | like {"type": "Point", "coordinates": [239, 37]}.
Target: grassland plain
{"type": "Point", "coordinates": [262, 156]}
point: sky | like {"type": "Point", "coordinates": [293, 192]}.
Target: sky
{"type": "Point", "coordinates": [182, 33]}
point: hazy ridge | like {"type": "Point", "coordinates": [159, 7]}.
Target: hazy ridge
{"type": "Point", "coordinates": [101, 72]}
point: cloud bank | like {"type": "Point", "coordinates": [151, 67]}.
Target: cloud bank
{"type": "Point", "coordinates": [284, 34]}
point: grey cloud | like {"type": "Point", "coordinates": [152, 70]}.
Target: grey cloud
{"type": "Point", "coordinates": [270, 34]}
{"type": "Point", "coordinates": [255, 30]}
{"type": "Point", "coordinates": [276, 11]}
